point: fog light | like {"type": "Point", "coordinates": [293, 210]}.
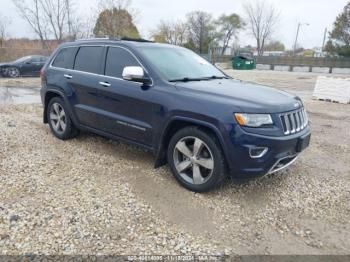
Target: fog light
{"type": "Point", "coordinates": [257, 152]}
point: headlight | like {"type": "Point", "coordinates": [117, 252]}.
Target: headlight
{"type": "Point", "coordinates": [253, 120]}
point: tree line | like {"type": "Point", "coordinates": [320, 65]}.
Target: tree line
{"type": "Point", "coordinates": [58, 20]}
{"type": "Point", "coordinates": [339, 37]}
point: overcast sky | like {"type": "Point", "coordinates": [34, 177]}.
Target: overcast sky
{"type": "Point", "coordinates": [318, 13]}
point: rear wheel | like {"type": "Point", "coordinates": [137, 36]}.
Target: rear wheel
{"type": "Point", "coordinates": [196, 159]}
{"type": "Point", "coordinates": [59, 120]}
{"type": "Point", "coordinates": [12, 72]}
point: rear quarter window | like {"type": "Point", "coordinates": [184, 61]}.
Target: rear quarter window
{"type": "Point", "coordinates": [89, 59]}
{"type": "Point", "coordinates": [65, 58]}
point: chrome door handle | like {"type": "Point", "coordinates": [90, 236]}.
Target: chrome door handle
{"type": "Point", "coordinates": [104, 84]}
{"type": "Point", "coordinates": [68, 76]}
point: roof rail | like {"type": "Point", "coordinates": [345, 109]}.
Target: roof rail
{"type": "Point", "coordinates": [135, 39]}
{"type": "Point", "coordinates": [116, 39]}
{"type": "Point", "coordinates": [92, 39]}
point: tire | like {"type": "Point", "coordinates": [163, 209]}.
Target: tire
{"type": "Point", "coordinates": [196, 159]}
{"type": "Point", "coordinates": [60, 123]}
{"type": "Point", "coordinates": [12, 72]}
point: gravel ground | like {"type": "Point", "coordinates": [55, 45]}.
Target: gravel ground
{"type": "Point", "coordinates": [90, 195]}
{"type": "Point", "coordinates": [25, 82]}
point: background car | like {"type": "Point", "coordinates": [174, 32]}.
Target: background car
{"type": "Point", "coordinates": [24, 66]}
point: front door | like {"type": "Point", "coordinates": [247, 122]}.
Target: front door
{"type": "Point", "coordinates": [32, 66]}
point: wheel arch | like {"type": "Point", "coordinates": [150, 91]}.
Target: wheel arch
{"type": "Point", "coordinates": [175, 125]}
{"type": "Point", "coordinates": [6, 68]}
{"type": "Point", "coordinates": [49, 94]}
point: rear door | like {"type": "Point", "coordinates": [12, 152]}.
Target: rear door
{"type": "Point", "coordinates": [59, 72]}
{"type": "Point", "coordinates": [85, 77]}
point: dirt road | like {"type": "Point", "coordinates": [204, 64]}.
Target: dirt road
{"type": "Point", "coordinates": [90, 195]}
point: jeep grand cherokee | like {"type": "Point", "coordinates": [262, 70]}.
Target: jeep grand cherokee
{"type": "Point", "coordinates": [168, 99]}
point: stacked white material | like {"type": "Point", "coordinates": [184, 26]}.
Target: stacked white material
{"type": "Point", "coordinates": [301, 69]}
{"type": "Point", "coordinates": [281, 68]}
{"type": "Point", "coordinates": [335, 89]}
{"type": "Point", "coordinates": [263, 67]}
{"type": "Point", "coordinates": [317, 69]}
{"type": "Point", "coordinates": [341, 70]}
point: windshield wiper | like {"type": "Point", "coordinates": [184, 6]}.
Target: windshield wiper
{"type": "Point", "coordinates": [187, 79]}
{"type": "Point", "coordinates": [216, 77]}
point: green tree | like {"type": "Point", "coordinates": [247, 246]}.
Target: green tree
{"type": "Point", "coordinates": [275, 46]}
{"type": "Point", "coordinates": [228, 26]}
{"type": "Point", "coordinates": [115, 22]}
{"type": "Point", "coordinates": [170, 32]}
{"type": "Point", "coordinates": [190, 45]}
{"type": "Point", "coordinates": [339, 37]}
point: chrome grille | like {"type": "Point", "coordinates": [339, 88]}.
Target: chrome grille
{"type": "Point", "coordinates": [294, 122]}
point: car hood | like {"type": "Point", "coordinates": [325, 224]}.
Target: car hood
{"type": "Point", "coordinates": [248, 97]}
{"type": "Point", "coordinates": [6, 64]}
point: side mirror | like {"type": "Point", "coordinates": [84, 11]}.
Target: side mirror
{"type": "Point", "coordinates": [136, 74]}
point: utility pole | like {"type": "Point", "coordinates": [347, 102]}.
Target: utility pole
{"type": "Point", "coordinates": [324, 38]}
{"type": "Point", "coordinates": [296, 37]}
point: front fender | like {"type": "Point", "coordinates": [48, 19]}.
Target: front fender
{"type": "Point", "coordinates": [3, 71]}
{"type": "Point", "coordinates": [161, 150]}
{"type": "Point", "coordinates": [195, 121]}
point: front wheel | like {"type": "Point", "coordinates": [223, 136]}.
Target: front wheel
{"type": "Point", "coordinates": [196, 159]}
{"type": "Point", "coordinates": [12, 72]}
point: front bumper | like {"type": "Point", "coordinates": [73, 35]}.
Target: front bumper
{"type": "Point", "coordinates": [282, 152]}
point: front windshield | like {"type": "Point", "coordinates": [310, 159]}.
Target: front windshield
{"type": "Point", "coordinates": [23, 59]}
{"type": "Point", "coordinates": [179, 63]}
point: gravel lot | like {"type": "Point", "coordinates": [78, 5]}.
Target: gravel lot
{"type": "Point", "coordinates": [90, 195]}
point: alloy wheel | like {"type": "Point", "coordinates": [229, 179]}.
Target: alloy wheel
{"type": "Point", "coordinates": [58, 118]}
{"type": "Point", "coordinates": [12, 72]}
{"type": "Point", "coordinates": [193, 160]}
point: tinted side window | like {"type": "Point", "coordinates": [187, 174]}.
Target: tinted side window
{"type": "Point", "coordinates": [65, 58]}
{"type": "Point", "coordinates": [117, 59]}
{"type": "Point", "coordinates": [35, 59]}
{"type": "Point", "coordinates": [43, 59]}
{"type": "Point", "coordinates": [89, 59]}
{"type": "Point", "coordinates": [38, 59]}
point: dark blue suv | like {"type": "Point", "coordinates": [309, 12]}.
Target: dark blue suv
{"type": "Point", "coordinates": [171, 101]}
